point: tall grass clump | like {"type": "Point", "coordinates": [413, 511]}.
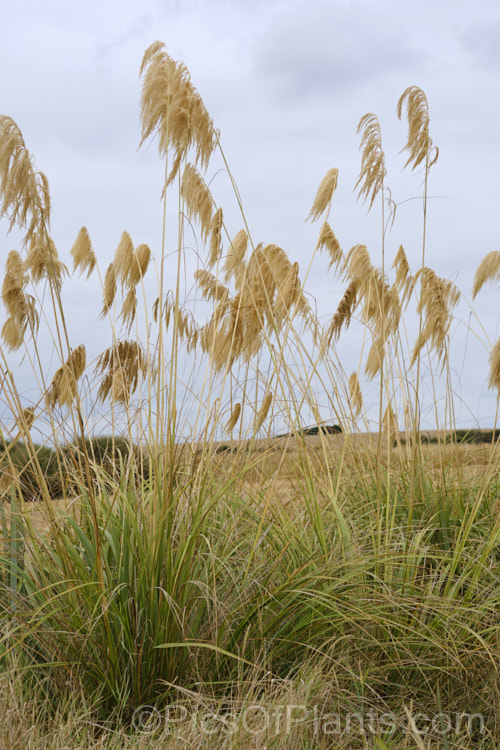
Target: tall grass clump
{"type": "Point", "coordinates": [191, 557]}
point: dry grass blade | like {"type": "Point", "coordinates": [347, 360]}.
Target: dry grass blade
{"type": "Point", "coordinates": [83, 253]}
{"type": "Point", "coordinates": [373, 171]}
{"type": "Point", "coordinates": [488, 270]}
{"type": "Point", "coordinates": [324, 195]}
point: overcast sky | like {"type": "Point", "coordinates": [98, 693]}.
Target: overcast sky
{"type": "Point", "coordinates": [286, 82]}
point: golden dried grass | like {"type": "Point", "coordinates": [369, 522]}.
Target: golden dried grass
{"type": "Point", "coordinates": [24, 192]}
{"type": "Point", "coordinates": [329, 242]}
{"type": "Point", "coordinates": [84, 259]}
{"type": "Point", "coordinates": [234, 265]}
{"type": "Point", "coordinates": [488, 270]}
{"type": "Point", "coordinates": [419, 142]}
{"type": "Point", "coordinates": [139, 264]}
{"type": "Point", "coordinates": [197, 199]}
{"type": "Point", "coordinates": [324, 194]}
{"type": "Point", "coordinates": [438, 298]}
{"type": "Point", "coordinates": [63, 388]}
{"type": "Point", "coordinates": [173, 108]}
{"type": "Point", "coordinates": [234, 417]}
{"type": "Point", "coordinates": [122, 261]}
{"type": "Point", "coordinates": [373, 171]}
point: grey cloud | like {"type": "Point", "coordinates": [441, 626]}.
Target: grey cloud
{"type": "Point", "coordinates": [331, 50]}
{"type": "Point", "coordinates": [481, 41]}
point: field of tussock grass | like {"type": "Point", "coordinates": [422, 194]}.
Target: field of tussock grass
{"type": "Point", "coordinates": [190, 578]}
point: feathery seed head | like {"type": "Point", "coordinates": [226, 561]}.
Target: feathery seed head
{"type": "Point", "coordinates": [325, 193]}
{"type": "Point", "coordinates": [329, 242]}
{"type": "Point", "coordinates": [263, 411]}
{"type": "Point", "coordinates": [121, 366]}
{"type": "Point", "coordinates": [358, 264]}
{"type": "Point", "coordinates": [438, 298]}
{"type": "Point", "coordinates": [12, 334]}
{"type": "Point", "coordinates": [26, 419]}
{"type": "Point", "coordinates": [343, 314]}
{"type": "Point", "coordinates": [375, 358]}
{"type": "Point", "coordinates": [235, 259]}
{"type": "Point", "coordinates": [13, 284]}
{"type": "Point", "coordinates": [43, 261]}
{"type": "Point", "coordinates": [63, 388]}
{"type": "Point", "coordinates": [233, 419]}
{"type": "Point", "coordinates": [419, 143]}
{"type": "Point", "coordinates": [122, 262]}
{"type": "Point", "coordinates": [215, 238]}
{"type": "Point", "coordinates": [404, 280]}
{"type": "Point", "coordinates": [211, 287]}
{"type": "Point", "coordinates": [173, 108]}
{"type": "Point", "coordinates": [198, 199]}
{"type": "Point", "coordinates": [129, 308]}
{"type": "Point", "coordinates": [109, 289]}
{"type": "Point", "coordinates": [24, 192]}
{"type": "Point", "coordinates": [355, 394]}
{"type": "Point", "coordinates": [488, 270]}
{"type": "Point", "coordinates": [373, 171]}
{"type": "Point", "coordinates": [139, 264]}
{"type": "Point", "coordinates": [390, 424]}
{"type": "Point", "coordinates": [83, 254]}
{"type": "Point", "coordinates": [494, 381]}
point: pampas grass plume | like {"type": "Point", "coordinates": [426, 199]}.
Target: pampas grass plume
{"type": "Point", "coordinates": [263, 411]}
{"type": "Point", "coordinates": [83, 254]}
{"type": "Point", "coordinates": [109, 289]}
{"type": "Point", "coordinates": [215, 238]}
{"type": "Point", "coordinates": [488, 270]}
{"type": "Point", "coordinates": [233, 419]}
{"type": "Point", "coordinates": [494, 381]}
{"type": "Point", "coordinates": [328, 241]}
{"type": "Point", "coordinates": [325, 193]}
{"type": "Point", "coordinates": [122, 262]}
{"type": "Point", "coordinates": [139, 264]}
{"type": "Point", "coordinates": [235, 259]}
{"type": "Point", "coordinates": [355, 395]}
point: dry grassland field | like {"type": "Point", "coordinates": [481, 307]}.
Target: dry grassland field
{"type": "Point", "coordinates": [207, 572]}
